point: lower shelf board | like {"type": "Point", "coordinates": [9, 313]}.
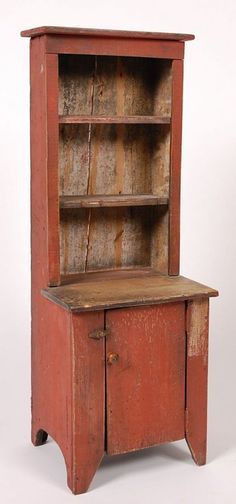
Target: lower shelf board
{"type": "Point", "coordinates": [104, 293]}
{"type": "Point", "coordinates": [113, 200]}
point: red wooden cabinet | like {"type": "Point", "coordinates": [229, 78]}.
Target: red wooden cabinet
{"type": "Point", "coordinates": [119, 339]}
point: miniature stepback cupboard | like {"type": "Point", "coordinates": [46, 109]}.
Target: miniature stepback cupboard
{"type": "Point", "coordinates": [119, 339]}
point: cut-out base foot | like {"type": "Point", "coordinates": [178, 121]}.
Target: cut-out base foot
{"type": "Point", "coordinates": [198, 453]}
{"type": "Point", "coordinates": [39, 437]}
{"type": "Point", "coordinates": [79, 479]}
{"type": "Point", "coordinates": [81, 469]}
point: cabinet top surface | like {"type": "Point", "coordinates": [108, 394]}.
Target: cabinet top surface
{"type": "Point", "coordinates": [59, 30]}
{"type": "Point", "coordinates": [94, 293]}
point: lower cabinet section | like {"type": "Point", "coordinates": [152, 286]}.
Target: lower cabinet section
{"type": "Point", "coordinates": [145, 376]}
{"type": "Point", "coordinates": [119, 380]}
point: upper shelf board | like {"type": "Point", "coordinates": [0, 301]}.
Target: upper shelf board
{"type": "Point", "coordinates": [136, 119]}
{"type": "Point", "coordinates": [59, 30]}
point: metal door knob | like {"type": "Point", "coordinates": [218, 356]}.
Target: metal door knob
{"type": "Point", "coordinates": [112, 357]}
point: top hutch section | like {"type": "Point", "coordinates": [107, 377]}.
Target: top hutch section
{"type": "Point", "coordinates": [111, 131]}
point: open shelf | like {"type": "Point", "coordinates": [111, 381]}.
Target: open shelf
{"type": "Point", "coordinates": [113, 119]}
{"type": "Point", "coordinates": [113, 238]}
{"type": "Point", "coordinates": [114, 159]}
{"type": "Point", "coordinates": [114, 116]}
{"type": "Point", "coordinates": [110, 86]}
{"type": "Point", "coordinates": [111, 201]}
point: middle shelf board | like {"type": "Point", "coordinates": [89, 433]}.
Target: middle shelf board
{"type": "Point", "coordinates": [98, 119]}
{"type": "Point", "coordinates": [111, 200]}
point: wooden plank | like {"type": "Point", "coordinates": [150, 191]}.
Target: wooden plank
{"type": "Point", "coordinates": [44, 166]}
{"type": "Point", "coordinates": [91, 276]}
{"type": "Point", "coordinates": [142, 119]}
{"type": "Point", "coordinates": [152, 289]}
{"type": "Point", "coordinates": [129, 159]}
{"type": "Point", "coordinates": [146, 384]}
{"type": "Point", "coordinates": [175, 167]}
{"type": "Point", "coordinates": [38, 151]}
{"type": "Point", "coordinates": [51, 75]}
{"type": "Point", "coordinates": [76, 78]}
{"type": "Point", "coordinates": [159, 243]}
{"type": "Point", "coordinates": [196, 378]}
{"type": "Point", "coordinates": [114, 46]}
{"type": "Point", "coordinates": [75, 83]}
{"type": "Point", "coordinates": [59, 30]}
{"type": "Point", "coordinates": [52, 376]}
{"type": "Point", "coordinates": [88, 400]}
{"type": "Point", "coordinates": [111, 201]}
{"type": "Point", "coordinates": [119, 237]}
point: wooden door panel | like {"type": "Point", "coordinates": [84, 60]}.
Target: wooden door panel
{"type": "Point", "coordinates": [145, 376]}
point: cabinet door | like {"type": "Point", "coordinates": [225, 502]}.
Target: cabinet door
{"type": "Point", "coordinates": [145, 355]}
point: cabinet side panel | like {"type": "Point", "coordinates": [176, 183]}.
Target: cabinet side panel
{"type": "Point", "coordinates": [175, 167]}
{"type": "Point", "coordinates": [38, 147]}
{"type": "Point", "coordinates": [44, 160]}
{"type": "Point", "coordinates": [51, 64]}
{"type": "Point", "coordinates": [146, 384]}
{"type": "Point", "coordinates": [51, 374]}
{"type": "Point", "coordinates": [50, 327]}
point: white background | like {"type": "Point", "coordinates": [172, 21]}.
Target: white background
{"type": "Point", "coordinates": [208, 252]}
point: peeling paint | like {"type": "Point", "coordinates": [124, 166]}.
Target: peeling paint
{"type": "Point", "coordinates": [197, 327]}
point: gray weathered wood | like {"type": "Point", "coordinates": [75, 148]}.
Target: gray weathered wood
{"type": "Point", "coordinates": [151, 289]}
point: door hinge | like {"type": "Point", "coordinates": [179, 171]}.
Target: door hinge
{"type": "Point", "coordinates": [99, 334]}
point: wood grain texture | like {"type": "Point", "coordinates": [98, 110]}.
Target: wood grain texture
{"type": "Point", "coordinates": [153, 289]}
{"type": "Point", "coordinates": [114, 159]}
{"type": "Point", "coordinates": [51, 75]}
{"type": "Point", "coordinates": [111, 201]}
{"type": "Point", "coordinates": [118, 238]}
{"type": "Point", "coordinates": [50, 400]}
{"type": "Point", "coordinates": [123, 86]}
{"type": "Point", "coordinates": [68, 389]}
{"type": "Point", "coordinates": [44, 197]}
{"type": "Point", "coordinates": [114, 46]}
{"type": "Point", "coordinates": [44, 163]}
{"type": "Point", "coordinates": [134, 119]}
{"type": "Point", "coordinates": [123, 159]}
{"type": "Point", "coordinates": [146, 382]}
{"type": "Point", "coordinates": [108, 274]}
{"type": "Point", "coordinates": [88, 400]}
{"type": "Point", "coordinates": [196, 384]}
{"type": "Point", "coordinates": [52, 376]}
{"type": "Point", "coordinates": [62, 30]}
{"type": "Point", "coordinates": [160, 240]}
{"type": "Point", "coordinates": [175, 167]}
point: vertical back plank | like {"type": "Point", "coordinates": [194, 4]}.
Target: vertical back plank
{"type": "Point", "coordinates": [196, 384]}
{"type": "Point", "coordinates": [52, 128]}
{"type": "Point", "coordinates": [175, 167]}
